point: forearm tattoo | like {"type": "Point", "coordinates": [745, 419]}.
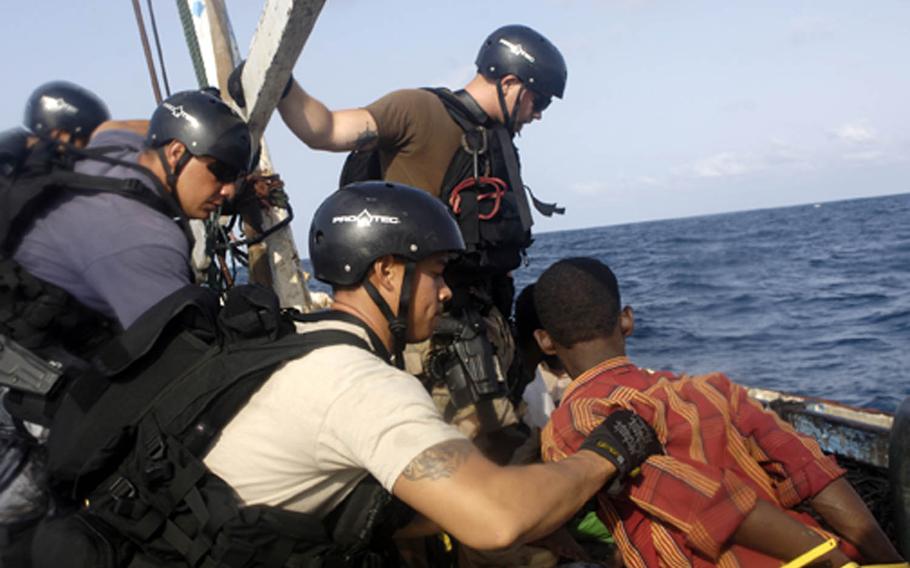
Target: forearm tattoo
{"type": "Point", "coordinates": [439, 461]}
{"type": "Point", "coordinates": [366, 138]}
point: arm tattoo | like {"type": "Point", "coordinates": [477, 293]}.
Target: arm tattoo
{"type": "Point", "coordinates": [439, 461]}
{"type": "Point", "coordinates": [366, 138]}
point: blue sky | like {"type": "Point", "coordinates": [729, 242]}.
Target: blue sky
{"type": "Point", "coordinates": [672, 109]}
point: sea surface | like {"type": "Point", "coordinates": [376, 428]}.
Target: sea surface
{"type": "Point", "coordinates": [813, 299]}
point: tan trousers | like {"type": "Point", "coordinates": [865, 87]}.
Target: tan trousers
{"type": "Point", "coordinates": [473, 421]}
{"type": "Point", "coordinates": [486, 416]}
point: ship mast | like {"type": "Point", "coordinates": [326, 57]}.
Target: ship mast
{"type": "Point", "coordinates": [283, 29]}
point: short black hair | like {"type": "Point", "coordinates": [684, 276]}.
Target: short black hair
{"type": "Point", "coordinates": [577, 299]}
{"type": "Point", "coordinates": [526, 320]}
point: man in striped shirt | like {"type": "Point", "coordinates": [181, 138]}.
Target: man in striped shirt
{"type": "Point", "coordinates": [724, 493]}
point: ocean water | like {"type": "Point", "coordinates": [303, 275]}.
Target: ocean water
{"type": "Point", "coordinates": [813, 299]}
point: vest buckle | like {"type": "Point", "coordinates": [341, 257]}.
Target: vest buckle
{"type": "Point", "coordinates": [122, 488]}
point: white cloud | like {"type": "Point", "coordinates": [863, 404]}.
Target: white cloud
{"type": "Point", "coordinates": [778, 154]}
{"type": "Point", "coordinates": [589, 188]}
{"type": "Point", "coordinates": [855, 133]}
{"type": "Point", "coordinates": [866, 156]}
{"type": "Point", "coordinates": [724, 164]}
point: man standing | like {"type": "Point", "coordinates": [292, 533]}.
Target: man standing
{"type": "Point", "coordinates": [457, 147]}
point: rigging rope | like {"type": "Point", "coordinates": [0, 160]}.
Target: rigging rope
{"type": "Point", "coordinates": [167, 87]}
{"type": "Point", "coordinates": [148, 52]}
{"type": "Point", "coordinates": [192, 42]}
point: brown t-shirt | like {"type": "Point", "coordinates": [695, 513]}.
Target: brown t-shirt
{"type": "Point", "coordinates": [417, 138]}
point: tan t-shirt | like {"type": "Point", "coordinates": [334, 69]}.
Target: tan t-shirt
{"type": "Point", "coordinates": [321, 423]}
{"type": "Point", "coordinates": [417, 138]}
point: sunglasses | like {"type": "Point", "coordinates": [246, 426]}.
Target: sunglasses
{"type": "Point", "coordinates": [540, 102]}
{"type": "Point", "coordinates": [223, 172]}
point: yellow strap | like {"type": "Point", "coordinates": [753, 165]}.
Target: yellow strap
{"type": "Point", "coordinates": [894, 565]}
{"type": "Point", "coordinates": [446, 541]}
{"type": "Point", "coordinates": [812, 555]}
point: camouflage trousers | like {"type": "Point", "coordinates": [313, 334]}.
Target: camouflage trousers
{"type": "Point", "coordinates": [484, 416]}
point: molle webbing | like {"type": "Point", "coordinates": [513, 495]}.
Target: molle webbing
{"type": "Point", "coordinates": [135, 454]}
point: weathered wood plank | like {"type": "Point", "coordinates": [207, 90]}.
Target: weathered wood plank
{"type": "Point", "coordinates": [283, 30]}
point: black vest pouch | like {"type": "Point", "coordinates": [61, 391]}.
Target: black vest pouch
{"type": "Point", "coordinates": [252, 312]}
{"type": "Point", "coordinates": [78, 541]}
{"type": "Point", "coordinates": [48, 339]}
{"type": "Point", "coordinates": [360, 165]}
{"type": "Point", "coordinates": [363, 524]}
{"type": "Point", "coordinates": [273, 538]}
{"type": "Point", "coordinates": [133, 460]}
{"type": "Point", "coordinates": [78, 447]}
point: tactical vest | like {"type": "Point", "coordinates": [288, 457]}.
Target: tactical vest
{"type": "Point", "coordinates": [127, 446]}
{"type": "Point", "coordinates": [46, 335]}
{"type": "Point", "coordinates": [13, 150]}
{"type": "Point", "coordinates": [482, 187]}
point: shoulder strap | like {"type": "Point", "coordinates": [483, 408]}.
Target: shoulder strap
{"type": "Point", "coordinates": [465, 111]}
{"type": "Point", "coordinates": [50, 165]}
{"type": "Point", "coordinates": [165, 198]}
{"type": "Point", "coordinates": [462, 107]}
{"type": "Point", "coordinates": [247, 367]}
{"type": "Point", "coordinates": [378, 346]}
{"type": "Point", "coordinates": [510, 157]}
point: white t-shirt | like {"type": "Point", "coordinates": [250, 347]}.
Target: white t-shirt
{"type": "Point", "coordinates": [543, 394]}
{"type": "Point", "coordinates": [321, 423]}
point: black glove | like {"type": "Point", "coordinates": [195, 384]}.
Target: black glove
{"type": "Point", "coordinates": [625, 440]}
{"type": "Point", "coordinates": [235, 85]}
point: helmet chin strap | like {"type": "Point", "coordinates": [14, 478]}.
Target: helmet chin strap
{"type": "Point", "coordinates": [172, 175]}
{"type": "Point", "coordinates": [509, 118]}
{"type": "Point", "coordinates": [398, 325]}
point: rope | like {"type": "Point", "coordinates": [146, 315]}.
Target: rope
{"type": "Point", "coordinates": [167, 87]}
{"type": "Point", "coordinates": [192, 42]}
{"type": "Point", "coordinates": [148, 52]}
{"type": "Point", "coordinates": [496, 192]}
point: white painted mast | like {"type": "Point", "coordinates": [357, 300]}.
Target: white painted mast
{"type": "Point", "coordinates": [284, 27]}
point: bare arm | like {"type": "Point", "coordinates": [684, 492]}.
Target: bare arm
{"type": "Point", "coordinates": [770, 531]}
{"type": "Point", "coordinates": [324, 129]}
{"type": "Point", "coordinates": [847, 514]}
{"type": "Point", "coordinates": [487, 506]}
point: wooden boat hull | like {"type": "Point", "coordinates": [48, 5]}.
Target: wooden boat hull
{"type": "Point", "coordinates": [873, 446]}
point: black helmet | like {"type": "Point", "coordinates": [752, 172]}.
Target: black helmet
{"type": "Point", "coordinates": [60, 105]}
{"type": "Point", "coordinates": [364, 221]}
{"type": "Point", "coordinates": [205, 124]}
{"type": "Point", "coordinates": [521, 51]}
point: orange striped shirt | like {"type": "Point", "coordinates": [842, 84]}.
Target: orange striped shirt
{"type": "Point", "coordinates": [723, 451]}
